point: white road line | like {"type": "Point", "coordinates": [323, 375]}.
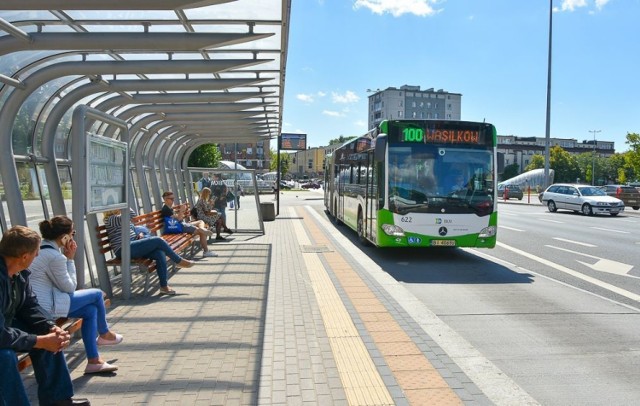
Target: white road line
{"type": "Point", "coordinates": [584, 244]}
{"type": "Point", "coordinates": [552, 221]}
{"type": "Point", "coordinates": [609, 229]}
{"type": "Point", "coordinates": [510, 228]}
{"type": "Point", "coordinates": [573, 273]}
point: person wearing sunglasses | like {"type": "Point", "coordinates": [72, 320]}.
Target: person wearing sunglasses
{"type": "Point", "coordinates": [53, 278]}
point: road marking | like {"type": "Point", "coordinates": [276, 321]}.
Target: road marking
{"type": "Point", "coordinates": [573, 273]}
{"type": "Point", "coordinates": [552, 221]}
{"type": "Point", "coordinates": [603, 264]}
{"type": "Point", "coordinates": [575, 242]}
{"type": "Point", "coordinates": [609, 229]}
{"type": "Point", "coordinates": [511, 228]}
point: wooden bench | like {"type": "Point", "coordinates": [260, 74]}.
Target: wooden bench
{"type": "Point", "coordinates": [182, 244]}
{"type": "Point", "coordinates": [69, 324]}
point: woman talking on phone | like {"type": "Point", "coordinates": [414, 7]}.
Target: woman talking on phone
{"type": "Point", "coordinates": [53, 278]}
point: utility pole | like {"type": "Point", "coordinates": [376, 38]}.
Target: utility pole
{"type": "Point", "coordinates": [593, 160]}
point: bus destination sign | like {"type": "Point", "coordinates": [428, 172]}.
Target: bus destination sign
{"type": "Point", "coordinates": [433, 133]}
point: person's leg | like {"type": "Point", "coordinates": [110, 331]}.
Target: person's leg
{"type": "Point", "coordinates": [12, 390]}
{"type": "Point", "coordinates": [161, 266]}
{"type": "Point", "coordinates": [52, 375]}
{"type": "Point", "coordinates": [144, 248]}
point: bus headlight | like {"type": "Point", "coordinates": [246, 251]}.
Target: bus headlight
{"type": "Point", "coordinates": [488, 232]}
{"type": "Point", "coordinates": [393, 230]}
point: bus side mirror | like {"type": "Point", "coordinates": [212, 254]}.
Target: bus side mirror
{"type": "Point", "coordinates": [381, 148]}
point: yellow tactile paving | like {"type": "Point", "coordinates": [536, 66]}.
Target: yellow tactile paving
{"type": "Point", "coordinates": [360, 378]}
{"type": "Point", "coordinates": [419, 380]}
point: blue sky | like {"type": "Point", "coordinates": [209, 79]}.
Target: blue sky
{"type": "Point", "coordinates": [493, 52]}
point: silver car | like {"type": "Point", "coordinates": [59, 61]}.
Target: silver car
{"type": "Point", "coordinates": [584, 199]}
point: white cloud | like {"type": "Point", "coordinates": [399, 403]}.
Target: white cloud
{"type": "Point", "coordinates": [360, 124]}
{"type": "Point", "coordinates": [348, 97]}
{"type": "Point", "coordinates": [572, 5]}
{"type": "Point", "coordinates": [332, 113]}
{"type": "Point", "coordinates": [321, 94]}
{"type": "Point", "coordinates": [398, 7]}
{"type": "Point", "coordinates": [307, 98]}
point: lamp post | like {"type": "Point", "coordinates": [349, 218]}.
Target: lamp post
{"type": "Point", "coordinates": [593, 160]}
{"type": "Point", "coordinates": [547, 135]}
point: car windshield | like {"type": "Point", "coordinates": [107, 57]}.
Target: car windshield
{"type": "Point", "coordinates": [591, 191]}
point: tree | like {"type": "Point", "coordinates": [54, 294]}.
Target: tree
{"type": "Point", "coordinates": [341, 140]}
{"type": "Point", "coordinates": [284, 166]}
{"type": "Point", "coordinates": [632, 158]}
{"type": "Point", "coordinates": [564, 165]}
{"type": "Point", "coordinates": [537, 162]}
{"type": "Point", "coordinates": [205, 156]}
{"type": "Point", "coordinates": [510, 171]}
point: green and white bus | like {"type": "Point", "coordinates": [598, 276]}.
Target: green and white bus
{"type": "Point", "coordinates": [417, 183]}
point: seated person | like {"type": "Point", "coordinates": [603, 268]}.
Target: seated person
{"type": "Point", "coordinates": [26, 326]}
{"type": "Point", "coordinates": [207, 213]}
{"type": "Point", "coordinates": [195, 227]}
{"type": "Point", "coordinates": [53, 278]}
{"type": "Point", "coordinates": [154, 248]}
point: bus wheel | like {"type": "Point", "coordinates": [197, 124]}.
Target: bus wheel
{"type": "Point", "coordinates": [361, 237]}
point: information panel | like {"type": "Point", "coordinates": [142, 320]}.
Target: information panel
{"type": "Point", "coordinates": [106, 174]}
{"type": "Point", "coordinates": [293, 142]}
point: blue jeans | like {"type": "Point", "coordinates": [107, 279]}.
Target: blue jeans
{"type": "Point", "coordinates": [157, 249]}
{"type": "Point", "coordinates": [88, 305]}
{"type": "Point", "coordinates": [52, 375]}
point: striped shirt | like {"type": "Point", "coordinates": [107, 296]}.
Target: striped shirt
{"type": "Point", "coordinates": [113, 225]}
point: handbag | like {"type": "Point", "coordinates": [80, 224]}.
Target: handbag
{"type": "Point", "coordinates": [172, 226]}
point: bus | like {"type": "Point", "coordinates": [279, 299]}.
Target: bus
{"type": "Point", "coordinates": [417, 183]}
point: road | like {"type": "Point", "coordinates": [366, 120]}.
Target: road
{"type": "Point", "coordinates": [555, 306]}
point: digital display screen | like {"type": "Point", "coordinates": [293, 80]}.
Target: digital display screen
{"type": "Point", "coordinates": [439, 132]}
{"type": "Point", "coordinates": [293, 142]}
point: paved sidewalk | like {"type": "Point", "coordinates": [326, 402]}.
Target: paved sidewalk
{"type": "Point", "coordinates": [291, 317]}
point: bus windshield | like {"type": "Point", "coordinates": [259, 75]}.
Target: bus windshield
{"type": "Point", "coordinates": [432, 178]}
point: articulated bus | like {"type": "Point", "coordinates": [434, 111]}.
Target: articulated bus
{"type": "Point", "coordinates": [417, 183]}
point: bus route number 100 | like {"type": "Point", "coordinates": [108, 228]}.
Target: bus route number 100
{"type": "Point", "coordinates": [413, 134]}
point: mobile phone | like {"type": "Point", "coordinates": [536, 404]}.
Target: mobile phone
{"type": "Point", "coordinates": [65, 239]}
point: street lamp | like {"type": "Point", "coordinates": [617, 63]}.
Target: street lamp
{"type": "Point", "coordinates": [593, 160]}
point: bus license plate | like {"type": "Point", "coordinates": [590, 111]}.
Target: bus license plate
{"type": "Point", "coordinates": [443, 243]}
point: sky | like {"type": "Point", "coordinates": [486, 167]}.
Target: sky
{"type": "Point", "coordinates": [493, 52]}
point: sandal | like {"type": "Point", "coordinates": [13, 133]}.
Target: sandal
{"type": "Point", "coordinates": [167, 291]}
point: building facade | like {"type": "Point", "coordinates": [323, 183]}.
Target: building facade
{"type": "Point", "coordinates": [411, 102]}
{"type": "Point", "coordinates": [255, 155]}
{"type": "Point", "coordinates": [520, 150]}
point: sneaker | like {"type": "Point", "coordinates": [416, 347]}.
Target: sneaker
{"type": "Point", "coordinates": [100, 368]}
{"type": "Point", "coordinates": [209, 254]}
{"type": "Point", "coordinates": [220, 238]}
{"type": "Point", "coordinates": [104, 341]}
{"type": "Point", "coordinates": [228, 231]}
{"type": "Point", "coordinates": [210, 233]}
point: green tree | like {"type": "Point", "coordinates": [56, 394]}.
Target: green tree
{"type": "Point", "coordinates": [564, 165]}
{"type": "Point", "coordinates": [537, 162]}
{"type": "Point", "coordinates": [284, 166]}
{"type": "Point", "coordinates": [510, 171]}
{"type": "Point", "coordinates": [341, 140]}
{"type": "Point", "coordinates": [205, 156]}
{"type": "Point", "coordinates": [632, 158]}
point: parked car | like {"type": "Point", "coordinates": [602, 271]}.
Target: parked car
{"type": "Point", "coordinates": [584, 199]}
{"type": "Point", "coordinates": [310, 185]}
{"type": "Point", "coordinates": [514, 191]}
{"type": "Point", "coordinates": [628, 194]}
